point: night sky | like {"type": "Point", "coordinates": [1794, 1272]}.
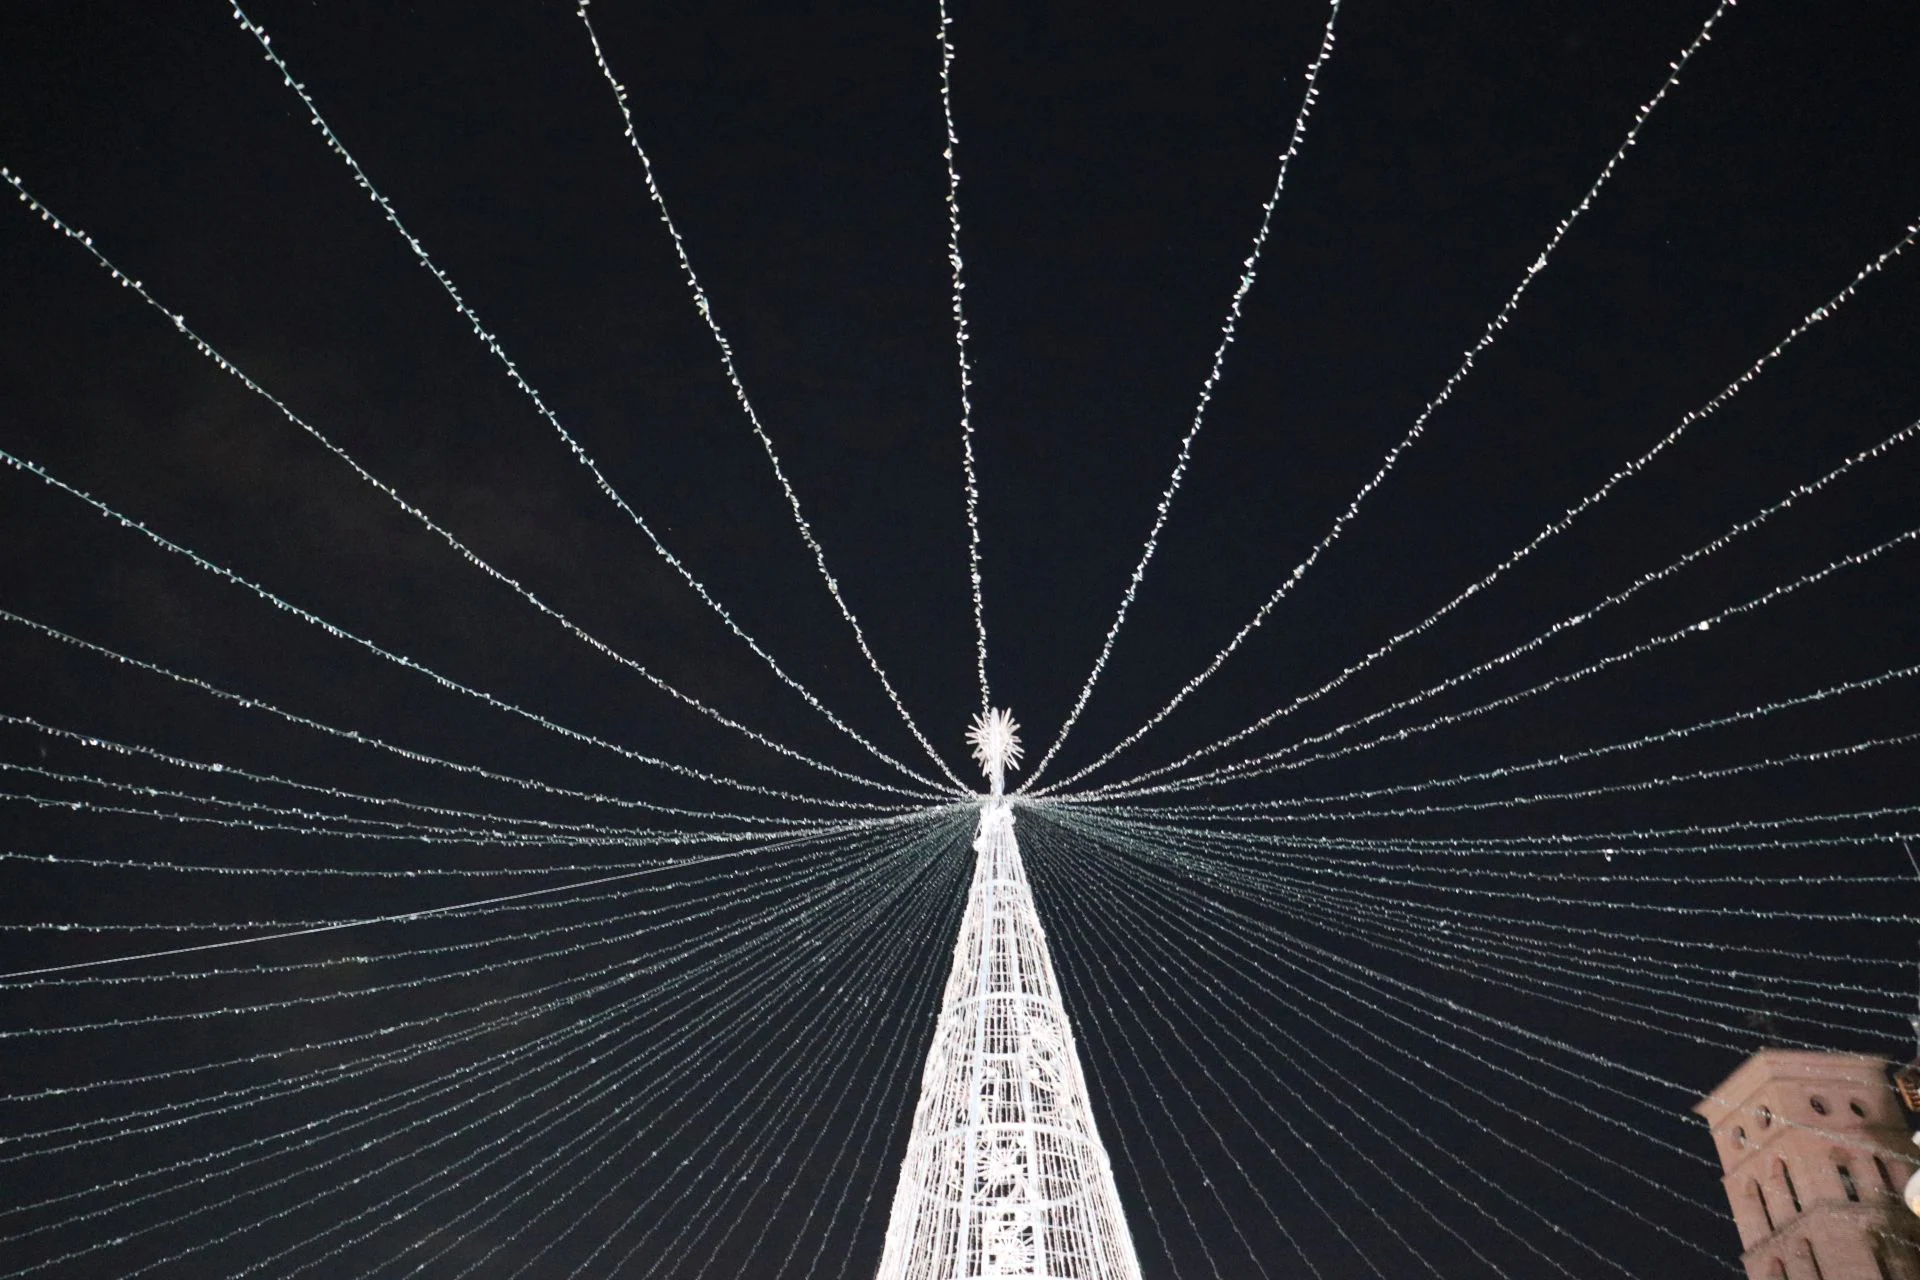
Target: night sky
{"type": "Point", "coordinates": [1322, 1040]}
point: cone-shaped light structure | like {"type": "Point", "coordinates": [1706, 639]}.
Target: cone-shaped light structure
{"type": "Point", "coordinates": [1005, 1174]}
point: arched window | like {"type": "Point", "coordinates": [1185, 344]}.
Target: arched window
{"type": "Point", "coordinates": [1793, 1192]}
{"type": "Point", "coordinates": [1760, 1198]}
{"type": "Point", "coordinates": [1818, 1103]}
{"type": "Point", "coordinates": [1846, 1182]}
{"type": "Point", "coordinates": [1813, 1260]}
{"type": "Point", "coordinates": [1886, 1178]}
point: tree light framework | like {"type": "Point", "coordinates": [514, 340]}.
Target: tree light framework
{"type": "Point", "coordinates": [1005, 1174]}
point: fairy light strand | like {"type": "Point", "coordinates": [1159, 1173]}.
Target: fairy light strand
{"type": "Point", "coordinates": [762, 978]}
{"type": "Point", "coordinates": [1486, 339]}
{"type": "Point", "coordinates": [704, 306]}
{"type": "Point", "coordinates": [445, 535]}
{"type": "Point", "coordinates": [399, 659]}
{"type": "Point", "coordinates": [1118, 944]}
{"type": "Point", "coordinates": [968, 464]}
{"type": "Point", "coordinates": [1277, 760]}
{"type": "Point", "coordinates": [1229, 330]}
{"type": "Point", "coordinates": [250, 703]}
{"type": "Point", "coordinates": [1563, 625]}
{"type": "Point", "coordinates": [1302, 1005]}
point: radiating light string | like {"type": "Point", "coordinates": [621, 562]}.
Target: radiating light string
{"type": "Point", "coordinates": [705, 307]}
{"type": "Point", "coordinates": [1667, 908]}
{"type": "Point", "coordinates": [1364, 911]}
{"type": "Point", "coordinates": [169, 1259]}
{"type": "Point", "coordinates": [427, 522]}
{"type": "Point", "coordinates": [1105, 1045]}
{"type": "Point", "coordinates": [581, 1217]}
{"type": "Point", "coordinates": [968, 466]}
{"type": "Point", "coordinates": [1122, 910]}
{"type": "Point", "coordinates": [240, 1230]}
{"type": "Point", "coordinates": [1229, 330]}
{"type": "Point", "coordinates": [1486, 339]}
{"type": "Point", "coordinates": [1549, 844]}
{"type": "Point", "coordinates": [1298, 1050]}
{"type": "Point", "coordinates": [1361, 908]}
{"type": "Point", "coordinates": [405, 753]}
{"type": "Point", "coordinates": [761, 876]}
{"type": "Point", "coordinates": [1456, 914]}
{"type": "Point", "coordinates": [1315, 807]}
{"type": "Point", "coordinates": [223, 770]}
{"type": "Point", "coordinates": [492, 343]}
{"type": "Point", "coordinates": [1854, 1140]}
{"type": "Point", "coordinates": [1524, 845]}
{"type": "Point", "coordinates": [244, 1010]}
{"type": "Point", "coordinates": [1563, 625]}
{"type": "Point", "coordinates": [1228, 921]}
{"type": "Point", "coordinates": [1261, 851]}
{"type": "Point", "coordinates": [795, 900]}
{"type": "Point", "coordinates": [1405, 1154]}
{"type": "Point", "coordinates": [887, 959]}
{"type": "Point", "coordinates": [547, 836]}
{"type": "Point", "coordinates": [419, 833]}
{"type": "Point", "coordinates": [512, 904]}
{"type": "Point", "coordinates": [372, 1111]}
{"type": "Point", "coordinates": [398, 917]}
{"type": "Point", "coordinates": [784, 915]}
{"type": "Point", "coordinates": [925, 979]}
{"type": "Point", "coordinates": [401, 660]}
{"type": "Point", "coordinates": [1382, 984]}
{"type": "Point", "coordinates": [571, 1030]}
{"type": "Point", "coordinates": [1041, 841]}
{"type": "Point", "coordinates": [1591, 964]}
{"type": "Point", "coordinates": [1275, 761]}
{"type": "Point", "coordinates": [1231, 922]}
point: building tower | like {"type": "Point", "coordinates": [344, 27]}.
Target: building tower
{"type": "Point", "coordinates": [1005, 1174]}
{"type": "Point", "coordinates": [1815, 1152]}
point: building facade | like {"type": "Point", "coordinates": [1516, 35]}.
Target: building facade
{"type": "Point", "coordinates": [1815, 1152]}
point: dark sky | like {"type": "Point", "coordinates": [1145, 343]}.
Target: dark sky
{"type": "Point", "coordinates": [1114, 161]}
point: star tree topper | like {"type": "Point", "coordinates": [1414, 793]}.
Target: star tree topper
{"type": "Point", "coordinates": [996, 745]}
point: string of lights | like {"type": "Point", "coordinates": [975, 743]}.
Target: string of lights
{"type": "Point", "coordinates": [704, 306]}
{"type": "Point", "coordinates": [1501, 319]}
{"type": "Point", "coordinates": [1229, 330]}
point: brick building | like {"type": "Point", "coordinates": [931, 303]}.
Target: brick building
{"type": "Point", "coordinates": [1816, 1152]}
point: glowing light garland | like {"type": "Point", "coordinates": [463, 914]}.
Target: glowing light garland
{"type": "Point", "coordinates": [658, 1049]}
{"type": "Point", "coordinates": [466, 553]}
{"type": "Point", "coordinates": [1249, 270]}
{"type": "Point", "coordinates": [446, 682]}
{"type": "Point", "coordinates": [1565, 624]}
{"type": "Point", "coordinates": [223, 770]}
{"type": "Point", "coordinates": [1500, 321]}
{"type": "Point", "coordinates": [492, 343]}
{"type": "Point", "coordinates": [1120, 941]}
{"type": "Point", "coordinates": [887, 958]}
{"type": "Point", "coordinates": [1276, 760]}
{"type": "Point", "coordinates": [807, 889]}
{"type": "Point", "coordinates": [1381, 983]}
{"type": "Point", "coordinates": [1312, 959]}
{"type": "Point", "coordinates": [705, 307]}
{"type": "Point", "coordinates": [404, 753]}
{"type": "Point", "coordinates": [954, 263]}
{"type": "Point", "coordinates": [1296, 1051]}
